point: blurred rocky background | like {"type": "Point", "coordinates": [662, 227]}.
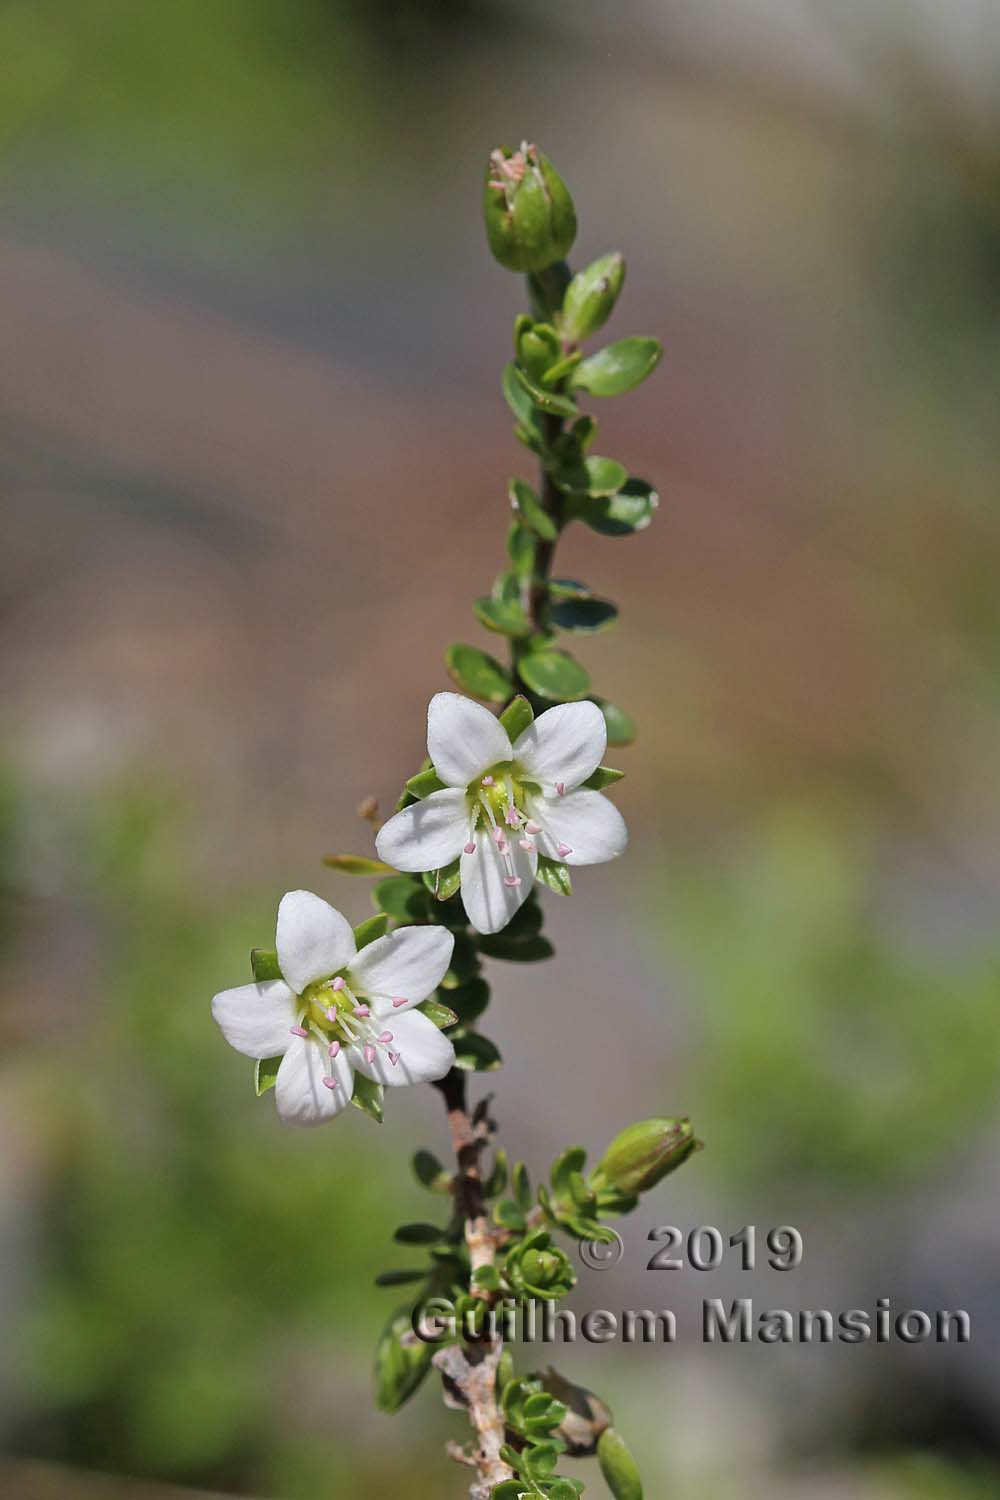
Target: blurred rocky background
{"type": "Point", "coordinates": [252, 455]}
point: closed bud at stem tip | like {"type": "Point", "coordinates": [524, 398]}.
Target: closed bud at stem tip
{"type": "Point", "coordinates": [643, 1154]}
{"type": "Point", "coordinates": [530, 218]}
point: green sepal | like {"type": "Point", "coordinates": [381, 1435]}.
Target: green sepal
{"type": "Point", "coordinates": [264, 965]}
{"type": "Point", "coordinates": [418, 1234]}
{"type": "Point", "coordinates": [618, 367]}
{"type": "Point", "coordinates": [403, 897]}
{"type": "Point", "coordinates": [442, 1015]}
{"type": "Point", "coordinates": [584, 616]}
{"type": "Point", "coordinates": [470, 999]}
{"type": "Point", "coordinates": [555, 875]}
{"type": "Point", "coordinates": [629, 510]}
{"type": "Point", "coordinates": [505, 616]}
{"type": "Point", "coordinates": [526, 504]}
{"type": "Point", "coordinates": [264, 1074]}
{"type": "Point", "coordinates": [517, 716]}
{"type": "Point", "coordinates": [604, 776]}
{"type": "Point", "coordinates": [401, 1362]}
{"type": "Point", "coordinates": [443, 883]}
{"type": "Point", "coordinates": [475, 1053]}
{"type": "Point", "coordinates": [620, 725]}
{"type": "Point", "coordinates": [547, 401]}
{"type": "Point", "coordinates": [429, 1172]}
{"type": "Point", "coordinates": [477, 674]}
{"type": "Point", "coordinates": [367, 1097]}
{"type": "Point", "coordinates": [554, 675]}
{"type": "Point", "coordinates": [424, 783]}
{"type": "Point", "coordinates": [356, 864]}
{"type": "Point", "coordinates": [620, 1470]}
{"type": "Point", "coordinates": [373, 927]}
{"type": "Point", "coordinates": [520, 951]}
{"type": "Point", "coordinates": [400, 1278]}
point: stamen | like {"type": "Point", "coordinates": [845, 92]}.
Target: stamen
{"type": "Point", "coordinates": [394, 1058]}
{"type": "Point", "coordinates": [486, 781]}
{"type": "Point", "coordinates": [338, 983]}
{"type": "Point", "coordinates": [333, 1014]}
{"type": "Point", "coordinates": [399, 1000]}
{"type": "Point", "coordinates": [334, 1049]}
{"type": "Point", "coordinates": [528, 844]}
{"type": "Point", "coordinates": [369, 1053]}
{"type": "Point", "coordinates": [330, 1082]}
{"type": "Point", "coordinates": [561, 788]}
{"type": "Point", "coordinates": [385, 1037]}
{"type": "Point", "coordinates": [364, 1011]}
{"type": "Point", "coordinates": [298, 1031]}
{"type": "Point", "coordinates": [498, 834]}
{"type": "Point", "coordinates": [512, 818]}
{"type": "Point", "coordinates": [512, 880]}
{"type": "Point", "coordinates": [564, 849]}
{"type": "Point", "coordinates": [532, 827]}
{"type": "Point", "coordinates": [470, 847]}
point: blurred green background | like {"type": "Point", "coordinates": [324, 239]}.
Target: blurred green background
{"type": "Point", "coordinates": [253, 458]}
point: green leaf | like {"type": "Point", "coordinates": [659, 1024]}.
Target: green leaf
{"type": "Point", "coordinates": [475, 1053]}
{"type": "Point", "coordinates": [424, 783]}
{"type": "Point", "coordinates": [517, 716]}
{"type": "Point", "coordinates": [569, 588]}
{"type": "Point", "coordinates": [518, 399]}
{"type": "Point", "coordinates": [356, 864]}
{"type": "Point", "coordinates": [628, 511]}
{"type": "Point", "coordinates": [469, 1000]}
{"type": "Point", "coordinates": [477, 674]}
{"type": "Point", "coordinates": [508, 1215]}
{"type": "Point", "coordinates": [521, 1186]}
{"type": "Point", "coordinates": [596, 476]}
{"type": "Point", "coordinates": [530, 951]}
{"type": "Point", "coordinates": [374, 927]}
{"type": "Point", "coordinates": [264, 1074]}
{"type": "Point", "coordinates": [591, 296]}
{"type": "Point", "coordinates": [505, 616]}
{"type": "Point", "coordinates": [562, 367]}
{"type": "Point", "coordinates": [488, 1277]}
{"type": "Point", "coordinates": [566, 1163]}
{"type": "Point", "coordinates": [401, 1362]}
{"type": "Point", "coordinates": [602, 777]}
{"type": "Point", "coordinates": [555, 875]}
{"type": "Point", "coordinates": [264, 964]}
{"type": "Point", "coordinates": [497, 1180]}
{"type": "Point", "coordinates": [554, 675]}
{"type": "Point", "coordinates": [418, 1234]}
{"type": "Point", "coordinates": [547, 401]}
{"type": "Point", "coordinates": [429, 1172]}
{"type": "Point", "coordinates": [620, 1470]}
{"type": "Point", "coordinates": [621, 726]}
{"type": "Point", "coordinates": [403, 897]}
{"type": "Point", "coordinates": [618, 367]}
{"type": "Point", "coordinates": [367, 1097]}
{"type": "Point", "coordinates": [527, 505]}
{"type": "Point", "coordinates": [585, 616]}
{"type": "Point", "coordinates": [521, 549]}
{"type": "Point", "coordinates": [443, 883]}
{"type": "Point", "coordinates": [441, 1015]}
{"type": "Point", "coordinates": [399, 1278]}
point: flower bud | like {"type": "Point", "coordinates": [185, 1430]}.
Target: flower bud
{"type": "Point", "coordinates": [620, 1470]}
{"type": "Point", "coordinates": [591, 296]}
{"type": "Point", "coordinates": [530, 218]}
{"type": "Point", "coordinates": [644, 1153]}
{"type": "Point", "coordinates": [537, 1268]}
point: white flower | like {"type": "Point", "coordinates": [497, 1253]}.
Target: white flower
{"type": "Point", "coordinates": [503, 805]}
{"type": "Point", "coordinates": [337, 1009]}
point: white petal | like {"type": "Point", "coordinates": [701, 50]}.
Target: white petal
{"type": "Point", "coordinates": [299, 1091]}
{"type": "Point", "coordinates": [427, 834]}
{"type": "Point", "coordinates": [408, 964]}
{"type": "Point", "coordinates": [255, 1017]}
{"type": "Point", "coordinates": [489, 903]}
{"type": "Point", "coordinates": [463, 738]}
{"type": "Point", "coordinates": [313, 939]}
{"type": "Point", "coordinates": [564, 744]}
{"type": "Point", "coordinates": [588, 824]}
{"type": "Point", "coordinates": [424, 1053]}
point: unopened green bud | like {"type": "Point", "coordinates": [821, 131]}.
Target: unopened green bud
{"type": "Point", "coordinates": [530, 218]}
{"type": "Point", "coordinates": [591, 296]}
{"type": "Point", "coordinates": [537, 1268]}
{"type": "Point", "coordinates": [644, 1153]}
{"type": "Point", "coordinates": [620, 1470]}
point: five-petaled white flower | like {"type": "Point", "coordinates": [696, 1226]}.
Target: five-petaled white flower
{"type": "Point", "coordinates": [337, 1009]}
{"type": "Point", "coordinates": [502, 805]}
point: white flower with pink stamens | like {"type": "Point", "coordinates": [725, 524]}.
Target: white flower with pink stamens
{"type": "Point", "coordinates": [337, 1009]}
{"type": "Point", "coordinates": [502, 805]}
